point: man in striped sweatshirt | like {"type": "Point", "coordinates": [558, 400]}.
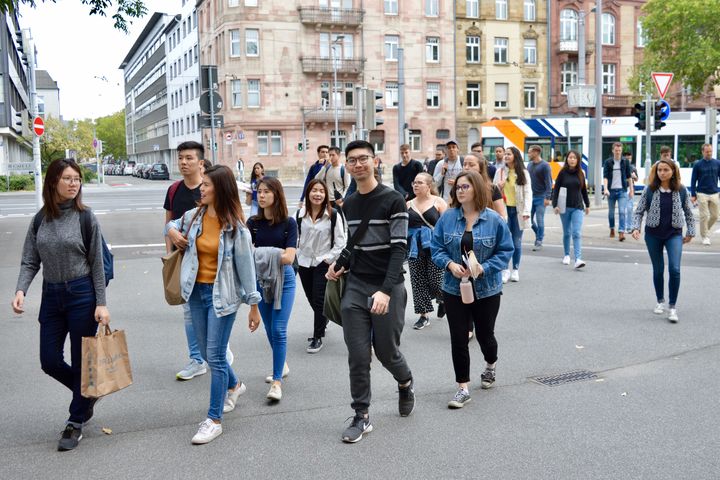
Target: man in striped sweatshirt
{"type": "Point", "coordinates": [373, 305]}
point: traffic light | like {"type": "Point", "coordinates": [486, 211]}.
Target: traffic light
{"type": "Point", "coordinates": [371, 108]}
{"type": "Point", "coordinates": [19, 40]}
{"type": "Point", "coordinates": [307, 144]}
{"type": "Point", "coordinates": [661, 113]}
{"type": "Point", "coordinates": [640, 114]}
{"type": "Point", "coordinates": [19, 119]}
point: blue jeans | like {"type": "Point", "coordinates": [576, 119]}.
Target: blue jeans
{"type": "Point", "coordinates": [673, 245]}
{"type": "Point", "coordinates": [537, 217]}
{"type": "Point", "coordinates": [67, 308]}
{"type": "Point", "coordinates": [276, 322]}
{"type": "Point", "coordinates": [517, 235]}
{"type": "Point", "coordinates": [572, 221]}
{"type": "Point", "coordinates": [213, 334]}
{"type": "Point", "coordinates": [192, 342]}
{"type": "Point", "coordinates": [620, 196]}
{"type": "Point", "coordinates": [629, 214]}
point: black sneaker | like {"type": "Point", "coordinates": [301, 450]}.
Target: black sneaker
{"type": "Point", "coordinates": [421, 323]}
{"type": "Point", "coordinates": [69, 438]}
{"type": "Point", "coordinates": [314, 346]}
{"type": "Point", "coordinates": [360, 425]}
{"type": "Point", "coordinates": [488, 378]}
{"type": "Point", "coordinates": [460, 399]}
{"type": "Point", "coordinates": [406, 399]}
{"type": "Point", "coordinates": [441, 309]}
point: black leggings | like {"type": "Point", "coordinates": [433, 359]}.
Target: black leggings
{"type": "Point", "coordinates": [314, 282]}
{"type": "Point", "coordinates": [482, 313]}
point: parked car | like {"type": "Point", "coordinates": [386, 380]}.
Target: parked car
{"type": "Point", "coordinates": [129, 168]}
{"type": "Point", "coordinates": [159, 171]}
{"type": "Point", "coordinates": [137, 169]}
{"type": "Point", "coordinates": [146, 171]}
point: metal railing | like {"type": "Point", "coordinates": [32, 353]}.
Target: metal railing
{"type": "Point", "coordinates": [331, 16]}
{"type": "Point", "coordinates": [325, 65]}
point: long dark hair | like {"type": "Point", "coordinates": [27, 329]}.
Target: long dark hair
{"type": "Point", "coordinates": [227, 200]}
{"type": "Point", "coordinates": [519, 166]}
{"type": "Point", "coordinates": [52, 178]}
{"type": "Point", "coordinates": [654, 179]}
{"type": "Point", "coordinates": [252, 172]}
{"type": "Point", "coordinates": [279, 206]}
{"type": "Point", "coordinates": [578, 168]}
{"type": "Point", "coordinates": [325, 206]}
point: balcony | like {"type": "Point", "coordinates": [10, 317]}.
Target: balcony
{"type": "Point", "coordinates": [327, 115]}
{"type": "Point", "coordinates": [331, 16]}
{"type": "Point", "coordinates": [347, 66]}
{"type": "Point", "coordinates": [568, 46]}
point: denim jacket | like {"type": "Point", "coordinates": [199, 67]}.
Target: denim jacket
{"type": "Point", "coordinates": [492, 244]}
{"type": "Point", "coordinates": [235, 281]}
{"type": "Point", "coordinates": [423, 234]}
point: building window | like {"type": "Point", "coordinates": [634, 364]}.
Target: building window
{"type": "Point", "coordinates": [472, 8]}
{"type": "Point", "coordinates": [349, 94]}
{"type": "Point", "coordinates": [233, 3]}
{"type": "Point", "coordinates": [529, 10]}
{"type": "Point", "coordinates": [530, 51]}
{"type": "Point", "coordinates": [473, 95]}
{"type": "Point", "coordinates": [391, 94]}
{"type": "Point", "coordinates": [275, 142]}
{"type": "Point", "coordinates": [530, 96]}
{"type": "Point", "coordinates": [235, 43]}
{"type": "Point", "coordinates": [568, 75]}
{"type": "Point", "coordinates": [392, 43]}
{"type": "Point", "coordinates": [442, 134]}
{"type": "Point", "coordinates": [501, 95]}
{"type": "Point", "coordinates": [391, 7]}
{"type": "Point", "coordinates": [251, 3]}
{"type": "Point", "coordinates": [432, 8]}
{"type": "Point", "coordinates": [608, 76]}
{"type": "Point", "coordinates": [472, 49]}
{"type": "Point", "coordinates": [236, 89]}
{"type": "Point", "coordinates": [433, 94]}
{"type": "Point", "coordinates": [568, 25]}
{"type": "Point", "coordinates": [252, 42]}
{"type": "Point", "coordinates": [641, 35]}
{"type": "Point", "coordinates": [253, 93]}
{"type": "Point", "coordinates": [338, 140]}
{"type": "Point", "coordinates": [501, 9]}
{"type": "Point", "coordinates": [415, 140]}
{"type": "Point", "coordinates": [432, 49]}
{"type": "Point", "coordinates": [501, 50]}
{"type": "Point", "coordinates": [608, 29]}
{"type": "Point", "coordinates": [263, 142]}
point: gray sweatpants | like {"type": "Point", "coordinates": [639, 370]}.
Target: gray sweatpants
{"type": "Point", "coordinates": [359, 326]}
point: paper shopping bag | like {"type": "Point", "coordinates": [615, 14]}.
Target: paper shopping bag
{"type": "Point", "coordinates": [105, 363]}
{"type": "Point", "coordinates": [171, 277]}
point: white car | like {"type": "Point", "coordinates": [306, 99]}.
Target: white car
{"type": "Point", "coordinates": [129, 168]}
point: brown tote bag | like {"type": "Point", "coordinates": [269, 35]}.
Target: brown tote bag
{"type": "Point", "coordinates": [105, 363]}
{"type": "Point", "coordinates": [172, 263]}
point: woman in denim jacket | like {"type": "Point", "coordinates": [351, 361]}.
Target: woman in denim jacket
{"type": "Point", "coordinates": [470, 226]}
{"type": "Point", "coordinates": [217, 275]}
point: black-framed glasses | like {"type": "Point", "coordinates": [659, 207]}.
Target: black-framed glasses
{"type": "Point", "coordinates": [360, 160]}
{"type": "Point", "coordinates": [463, 187]}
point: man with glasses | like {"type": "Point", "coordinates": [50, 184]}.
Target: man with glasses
{"type": "Point", "coordinates": [373, 304]}
{"type": "Point", "coordinates": [322, 154]}
{"type": "Point", "coordinates": [404, 173]}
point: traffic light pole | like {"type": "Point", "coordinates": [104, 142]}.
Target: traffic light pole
{"type": "Point", "coordinates": [649, 115]}
{"type": "Point", "coordinates": [304, 144]}
{"type": "Point", "coordinates": [211, 87]}
{"type": "Point", "coordinates": [30, 47]}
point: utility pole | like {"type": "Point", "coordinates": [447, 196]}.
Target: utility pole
{"type": "Point", "coordinates": [211, 87]}
{"type": "Point", "coordinates": [304, 144]}
{"type": "Point", "coordinates": [649, 116]}
{"type": "Point", "coordinates": [359, 102]}
{"type": "Point", "coordinates": [598, 103]}
{"type": "Point", "coordinates": [30, 53]}
{"type": "Point", "coordinates": [401, 97]}
{"type": "Point", "coordinates": [335, 95]}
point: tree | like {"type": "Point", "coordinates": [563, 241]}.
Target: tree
{"type": "Point", "coordinates": [126, 9]}
{"type": "Point", "coordinates": [683, 38]}
{"type": "Point", "coordinates": [61, 136]}
{"type": "Point", "coordinates": [111, 130]}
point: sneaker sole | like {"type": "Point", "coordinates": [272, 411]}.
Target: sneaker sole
{"type": "Point", "coordinates": [672, 320]}
{"type": "Point", "coordinates": [350, 440]}
{"type": "Point", "coordinates": [453, 405]}
{"type": "Point", "coordinates": [269, 378]}
{"type": "Point", "coordinates": [313, 350]}
{"type": "Point", "coordinates": [578, 267]}
{"type": "Point", "coordinates": [487, 387]}
{"type": "Point", "coordinates": [67, 449]}
{"type": "Point", "coordinates": [205, 440]}
{"type": "Point", "coordinates": [190, 377]}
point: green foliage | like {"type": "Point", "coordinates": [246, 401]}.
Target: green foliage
{"type": "Point", "coordinates": [17, 183]}
{"type": "Point", "coordinates": [87, 174]}
{"type": "Point", "coordinates": [125, 12]}
{"type": "Point", "coordinates": [111, 130]}
{"type": "Point", "coordinates": [682, 37]}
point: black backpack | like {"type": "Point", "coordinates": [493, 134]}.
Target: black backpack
{"type": "Point", "coordinates": [85, 227]}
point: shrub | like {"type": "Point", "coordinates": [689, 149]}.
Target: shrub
{"type": "Point", "coordinates": [17, 183]}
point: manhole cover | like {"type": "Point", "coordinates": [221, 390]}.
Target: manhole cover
{"type": "Point", "coordinates": [563, 378]}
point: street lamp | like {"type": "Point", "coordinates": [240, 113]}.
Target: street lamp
{"type": "Point", "coordinates": [581, 45]}
{"type": "Point", "coordinates": [598, 102]}
{"type": "Point", "coordinates": [335, 43]}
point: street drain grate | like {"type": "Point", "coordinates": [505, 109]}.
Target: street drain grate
{"type": "Point", "coordinates": [563, 378]}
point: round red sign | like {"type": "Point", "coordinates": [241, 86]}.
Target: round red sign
{"type": "Point", "coordinates": [38, 126]}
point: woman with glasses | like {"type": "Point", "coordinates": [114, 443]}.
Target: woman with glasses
{"type": "Point", "coordinates": [517, 194]}
{"type": "Point", "coordinates": [425, 277]}
{"type": "Point", "coordinates": [73, 291]}
{"type": "Point", "coordinates": [472, 244]}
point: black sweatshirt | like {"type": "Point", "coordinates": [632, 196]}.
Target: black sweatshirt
{"type": "Point", "coordinates": [378, 257]}
{"type": "Point", "coordinates": [403, 177]}
{"type": "Point", "coordinates": [576, 193]}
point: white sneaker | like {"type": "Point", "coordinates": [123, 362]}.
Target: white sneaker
{"type": "Point", "coordinates": [231, 398]}
{"type": "Point", "coordinates": [706, 241]}
{"type": "Point", "coordinates": [579, 263]}
{"type": "Point", "coordinates": [285, 373]}
{"type": "Point", "coordinates": [515, 276]}
{"type": "Point", "coordinates": [207, 432]}
{"type": "Point", "coordinates": [505, 276]}
{"type": "Point", "coordinates": [566, 260]}
{"type": "Point", "coordinates": [275, 392]}
{"type": "Point", "coordinates": [672, 317]}
{"type": "Point", "coordinates": [659, 309]}
{"type": "Point", "coordinates": [229, 356]}
{"type": "Point", "coordinates": [192, 370]}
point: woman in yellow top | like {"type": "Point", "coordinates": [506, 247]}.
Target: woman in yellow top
{"type": "Point", "coordinates": [517, 193]}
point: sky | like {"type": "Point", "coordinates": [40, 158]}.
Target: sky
{"type": "Point", "coordinates": [78, 50]}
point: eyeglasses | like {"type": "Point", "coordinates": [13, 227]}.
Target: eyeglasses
{"type": "Point", "coordinates": [360, 160]}
{"type": "Point", "coordinates": [71, 180]}
{"type": "Point", "coordinates": [464, 187]}
{"type": "Point", "coordinates": [418, 183]}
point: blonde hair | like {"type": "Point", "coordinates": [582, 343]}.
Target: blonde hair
{"type": "Point", "coordinates": [428, 180]}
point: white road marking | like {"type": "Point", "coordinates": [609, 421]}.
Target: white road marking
{"type": "Point", "coordinates": [623, 250]}
{"type": "Point", "coordinates": [144, 208]}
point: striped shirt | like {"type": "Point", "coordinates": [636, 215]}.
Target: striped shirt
{"type": "Point", "coordinates": [378, 257]}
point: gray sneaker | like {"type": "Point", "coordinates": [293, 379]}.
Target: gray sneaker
{"type": "Point", "coordinates": [537, 246]}
{"type": "Point", "coordinates": [488, 378]}
{"type": "Point", "coordinates": [192, 370]}
{"type": "Point", "coordinates": [360, 425]}
{"type": "Point", "coordinates": [460, 399]}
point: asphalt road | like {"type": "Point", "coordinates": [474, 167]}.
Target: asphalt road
{"type": "Point", "coordinates": [650, 413]}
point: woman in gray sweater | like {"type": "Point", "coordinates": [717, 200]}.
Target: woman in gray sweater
{"type": "Point", "coordinates": [73, 291]}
